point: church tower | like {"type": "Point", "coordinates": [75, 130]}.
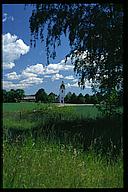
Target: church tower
{"type": "Point", "coordinates": [62, 93]}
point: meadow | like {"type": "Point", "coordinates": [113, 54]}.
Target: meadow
{"type": "Point", "coordinates": [46, 146]}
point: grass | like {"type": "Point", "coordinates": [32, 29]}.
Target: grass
{"type": "Point", "coordinates": [12, 107]}
{"type": "Point", "coordinates": [45, 165]}
{"type": "Point", "coordinates": [62, 147]}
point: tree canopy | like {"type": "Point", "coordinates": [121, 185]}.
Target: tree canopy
{"type": "Point", "coordinates": [41, 95]}
{"type": "Point", "coordinates": [13, 95]}
{"type": "Point", "coordinates": [92, 28]}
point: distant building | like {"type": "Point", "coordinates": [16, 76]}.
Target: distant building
{"type": "Point", "coordinates": [29, 98]}
{"type": "Point", "coordinates": [62, 92]}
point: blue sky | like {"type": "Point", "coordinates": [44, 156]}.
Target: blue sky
{"type": "Point", "coordinates": [26, 67]}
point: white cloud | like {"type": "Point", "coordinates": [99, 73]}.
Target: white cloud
{"type": "Point", "coordinates": [38, 69]}
{"type": "Point", "coordinates": [70, 77]}
{"type": "Point", "coordinates": [26, 74]}
{"type": "Point", "coordinates": [13, 48]}
{"type": "Point", "coordinates": [34, 74]}
{"type": "Point", "coordinates": [72, 85]}
{"type": "Point", "coordinates": [6, 17]}
{"type": "Point", "coordinates": [9, 85]}
{"type": "Point", "coordinates": [75, 85]}
{"type": "Point", "coordinates": [47, 76]}
{"type": "Point", "coordinates": [75, 80]}
{"type": "Point", "coordinates": [67, 85]}
{"type": "Point", "coordinates": [32, 80]}
{"type": "Point", "coordinates": [55, 68]}
{"type": "Point", "coordinates": [9, 65]}
{"type": "Point", "coordinates": [12, 76]}
{"type": "Point", "coordinates": [12, 18]}
{"type": "Point", "coordinates": [56, 77]}
{"type": "Point", "coordinates": [87, 84]}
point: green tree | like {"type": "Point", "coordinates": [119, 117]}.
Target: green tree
{"type": "Point", "coordinates": [68, 97]}
{"type": "Point", "coordinates": [73, 98]}
{"type": "Point", "coordinates": [80, 99]}
{"type": "Point", "coordinates": [87, 98]}
{"type": "Point", "coordinates": [11, 96]}
{"type": "Point", "coordinates": [4, 92]}
{"type": "Point", "coordinates": [52, 97]}
{"type": "Point", "coordinates": [41, 95]}
{"type": "Point", "coordinates": [19, 94]}
{"type": "Point", "coordinates": [93, 30]}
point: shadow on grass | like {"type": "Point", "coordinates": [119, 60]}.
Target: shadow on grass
{"type": "Point", "coordinates": [102, 134]}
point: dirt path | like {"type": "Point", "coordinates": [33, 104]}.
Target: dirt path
{"type": "Point", "coordinates": [69, 104]}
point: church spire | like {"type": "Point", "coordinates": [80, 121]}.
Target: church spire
{"type": "Point", "coordinates": [62, 92]}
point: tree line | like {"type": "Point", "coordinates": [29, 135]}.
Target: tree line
{"type": "Point", "coordinates": [13, 95]}
{"type": "Point", "coordinates": [41, 96]}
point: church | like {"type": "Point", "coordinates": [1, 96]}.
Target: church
{"type": "Point", "coordinates": [62, 92]}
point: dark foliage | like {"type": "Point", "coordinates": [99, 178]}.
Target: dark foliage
{"type": "Point", "coordinates": [95, 33]}
{"type": "Point", "coordinates": [95, 28]}
{"type": "Point", "coordinates": [13, 95]}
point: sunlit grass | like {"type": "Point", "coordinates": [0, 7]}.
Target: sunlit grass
{"type": "Point", "coordinates": [68, 147]}
{"type": "Point", "coordinates": [45, 165]}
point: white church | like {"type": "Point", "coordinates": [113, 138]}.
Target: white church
{"type": "Point", "coordinates": [62, 93]}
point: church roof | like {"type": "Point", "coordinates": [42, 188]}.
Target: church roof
{"type": "Point", "coordinates": [62, 86]}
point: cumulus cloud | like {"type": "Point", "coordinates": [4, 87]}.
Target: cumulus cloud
{"type": "Point", "coordinates": [47, 76]}
{"type": "Point", "coordinates": [33, 74]}
{"type": "Point", "coordinates": [37, 69]}
{"type": "Point", "coordinates": [57, 77]}
{"type": "Point", "coordinates": [10, 85]}
{"type": "Point", "coordinates": [6, 17]}
{"type": "Point", "coordinates": [72, 85]}
{"type": "Point", "coordinates": [12, 76]}
{"type": "Point", "coordinates": [70, 77]}
{"type": "Point", "coordinates": [75, 80]}
{"type": "Point", "coordinates": [9, 65]}
{"type": "Point", "coordinates": [67, 85]}
{"type": "Point", "coordinates": [13, 48]}
{"type": "Point", "coordinates": [55, 68]}
{"type": "Point", "coordinates": [26, 74]}
{"type": "Point", "coordinates": [23, 83]}
{"type": "Point", "coordinates": [32, 80]}
{"type": "Point", "coordinates": [75, 84]}
{"type": "Point", "coordinates": [40, 69]}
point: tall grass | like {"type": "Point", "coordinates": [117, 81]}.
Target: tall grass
{"type": "Point", "coordinates": [45, 165]}
{"type": "Point", "coordinates": [62, 147]}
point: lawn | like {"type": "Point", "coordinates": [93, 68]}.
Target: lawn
{"type": "Point", "coordinates": [46, 146]}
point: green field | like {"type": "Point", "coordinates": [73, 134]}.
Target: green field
{"type": "Point", "coordinates": [46, 146]}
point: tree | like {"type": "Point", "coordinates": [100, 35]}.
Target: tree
{"type": "Point", "coordinates": [4, 96]}
{"type": "Point", "coordinates": [73, 98]}
{"type": "Point", "coordinates": [19, 94]}
{"type": "Point", "coordinates": [13, 95]}
{"type": "Point", "coordinates": [68, 97]}
{"type": "Point", "coordinates": [41, 95]}
{"type": "Point", "coordinates": [95, 34]}
{"type": "Point", "coordinates": [87, 98]}
{"type": "Point", "coordinates": [52, 97]}
{"type": "Point", "coordinates": [80, 99]}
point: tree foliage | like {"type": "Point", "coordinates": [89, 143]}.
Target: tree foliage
{"type": "Point", "coordinates": [13, 95]}
{"type": "Point", "coordinates": [41, 96]}
{"type": "Point", "coordinates": [93, 30]}
{"type": "Point", "coordinates": [52, 97]}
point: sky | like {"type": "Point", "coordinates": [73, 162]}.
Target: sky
{"type": "Point", "coordinates": [25, 67]}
